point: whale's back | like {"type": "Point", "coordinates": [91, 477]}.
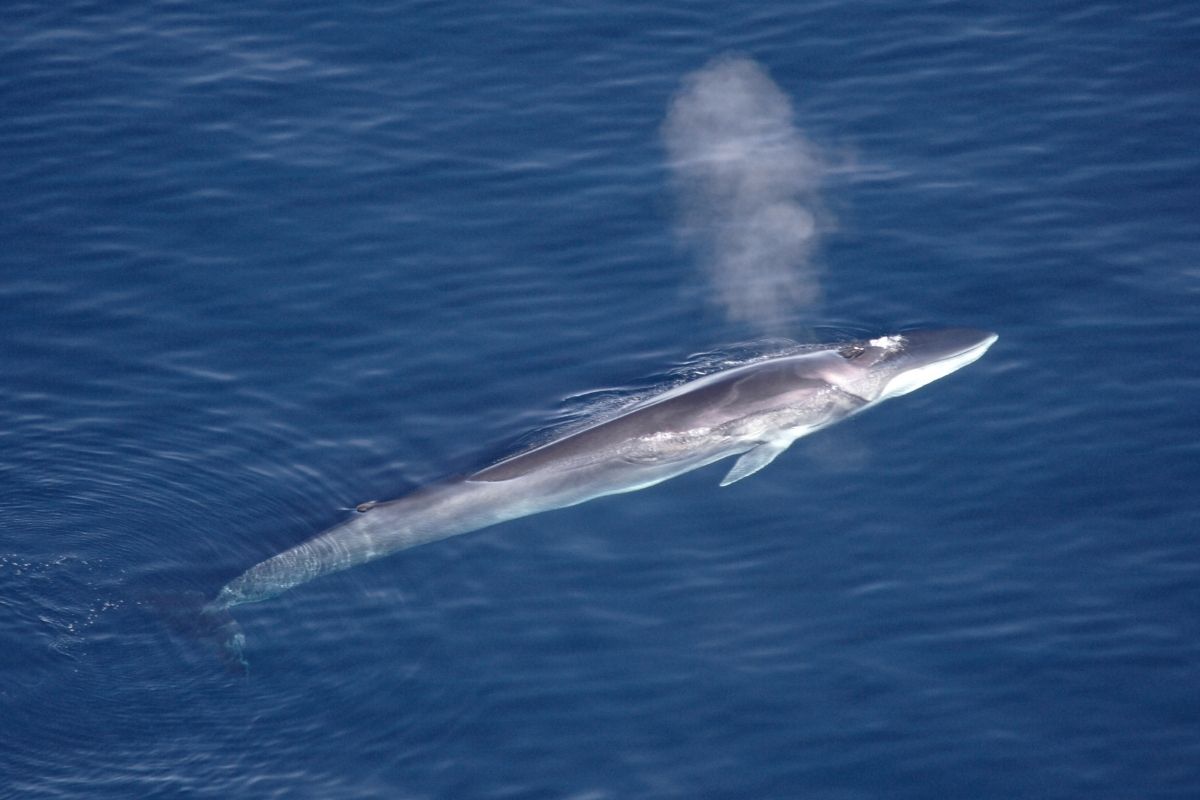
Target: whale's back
{"type": "Point", "coordinates": [704, 403]}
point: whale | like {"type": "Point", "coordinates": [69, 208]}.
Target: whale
{"type": "Point", "coordinates": [753, 411]}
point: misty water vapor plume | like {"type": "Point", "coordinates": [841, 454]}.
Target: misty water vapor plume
{"type": "Point", "coordinates": [746, 181]}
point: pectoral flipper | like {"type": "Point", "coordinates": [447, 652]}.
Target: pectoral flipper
{"type": "Point", "coordinates": [754, 460]}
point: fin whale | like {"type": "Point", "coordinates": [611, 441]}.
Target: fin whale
{"type": "Point", "coordinates": [754, 411]}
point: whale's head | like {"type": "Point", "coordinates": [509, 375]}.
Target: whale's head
{"type": "Point", "coordinates": [890, 366]}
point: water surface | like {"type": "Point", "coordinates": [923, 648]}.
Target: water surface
{"type": "Point", "coordinates": [263, 263]}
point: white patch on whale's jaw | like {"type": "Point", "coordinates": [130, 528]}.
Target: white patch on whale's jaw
{"type": "Point", "coordinates": [912, 379]}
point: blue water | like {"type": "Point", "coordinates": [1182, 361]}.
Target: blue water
{"type": "Point", "coordinates": [264, 261]}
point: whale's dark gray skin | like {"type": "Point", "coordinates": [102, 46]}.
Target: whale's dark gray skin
{"type": "Point", "coordinates": [754, 411]}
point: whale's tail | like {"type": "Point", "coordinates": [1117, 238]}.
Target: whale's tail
{"type": "Point", "coordinates": [197, 617]}
{"type": "Point", "coordinates": [226, 635]}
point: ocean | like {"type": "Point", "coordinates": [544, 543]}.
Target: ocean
{"type": "Point", "coordinates": [265, 261]}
